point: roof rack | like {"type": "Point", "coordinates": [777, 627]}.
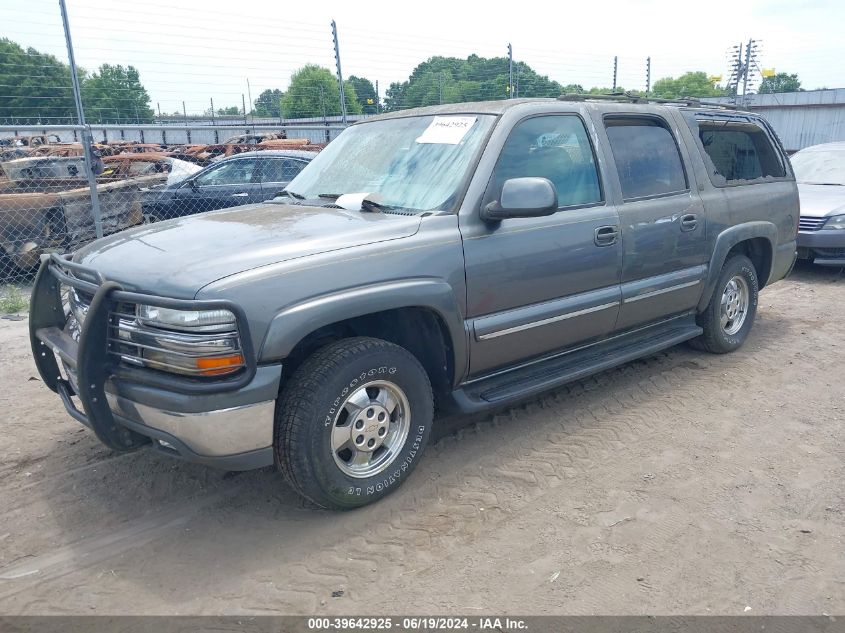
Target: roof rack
{"type": "Point", "coordinates": [630, 97]}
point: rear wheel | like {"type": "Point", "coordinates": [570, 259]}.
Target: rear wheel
{"type": "Point", "coordinates": [729, 315]}
{"type": "Point", "coordinates": [352, 422]}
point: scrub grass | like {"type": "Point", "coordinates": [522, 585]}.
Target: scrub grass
{"type": "Point", "coordinates": [12, 300]}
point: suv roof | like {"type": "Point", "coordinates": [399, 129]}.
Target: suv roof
{"type": "Point", "coordinates": [500, 106]}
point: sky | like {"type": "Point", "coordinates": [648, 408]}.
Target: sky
{"type": "Point", "coordinates": [198, 50]}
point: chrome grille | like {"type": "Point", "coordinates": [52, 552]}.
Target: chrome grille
{"type": "Point", "coordinates": [809, 223]}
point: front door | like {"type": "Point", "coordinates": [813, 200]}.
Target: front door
{"type": "Point", "coordinates": [540, 285]}
{"type": "Point", "coordinates": [663, 221]}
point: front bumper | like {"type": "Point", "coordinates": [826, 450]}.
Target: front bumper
{"type": "Point", "coordinates": [824, 247]}
{"type": "Point", "coordinates": [226, 423]}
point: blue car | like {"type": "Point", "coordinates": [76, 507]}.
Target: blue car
{"type": "Point", "coordinates": [242, 179]}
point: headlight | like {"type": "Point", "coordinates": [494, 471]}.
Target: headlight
{"type": "Point", "coordinates": [189, 320]}
{"type": "Point", "coordinates": [187, 342]}
{"type": "Point", "coordinates": [835, 222]}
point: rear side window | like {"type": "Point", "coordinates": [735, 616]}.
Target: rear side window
{"type": "Point", "coordinates": [738, 151]}
{"type": "Point", "coordinates": [646, 156]}
{"type": "Point", "coordinates": [280, 169]}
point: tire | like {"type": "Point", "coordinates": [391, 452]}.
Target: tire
{"type": "Point", "coordinates": [354, 400]}
{"type": "Point", "coordinates": [740, 299]}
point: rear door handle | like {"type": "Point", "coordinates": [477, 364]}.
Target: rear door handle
{"type": "Point", "coordinates": [689, 222]}
{"type": "Point", "coordinates": [606, 235]}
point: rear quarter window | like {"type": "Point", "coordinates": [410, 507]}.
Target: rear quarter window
{"type": "Point", "coordinates": [737, 152]}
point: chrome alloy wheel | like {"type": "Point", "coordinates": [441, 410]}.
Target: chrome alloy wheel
{"type": "Point", "coordinates": [734, 305]}
{"type": "Point", "coordinates": [370, 429]}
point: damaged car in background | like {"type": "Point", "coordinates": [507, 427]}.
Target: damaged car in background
{"type": "Point", "coordinates": [45, 202]}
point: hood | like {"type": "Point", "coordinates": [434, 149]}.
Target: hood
{"type": "Point", "coordinates": [822, 200]}
{"type": "Point", "coordinates": [178, 257]}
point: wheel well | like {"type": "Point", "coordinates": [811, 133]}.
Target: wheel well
{"type": "Point", "coordinates": [759, 251]}
{"type": "Point", "coordinates": [419, 330]}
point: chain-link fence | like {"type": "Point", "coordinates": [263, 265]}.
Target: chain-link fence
{"type": "Point", "coordinates": [48, 204]}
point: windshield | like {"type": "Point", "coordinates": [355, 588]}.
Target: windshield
{"type": "Point", "coordinates": [414, 163]}
{"type": "Point", "coordinates": [821, 167]}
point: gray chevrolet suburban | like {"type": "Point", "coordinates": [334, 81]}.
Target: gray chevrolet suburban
{"type": "Point", "coordinates": [457, 258]}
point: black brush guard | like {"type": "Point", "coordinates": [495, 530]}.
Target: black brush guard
{"type": "Point", "coordinates": [91, 358]}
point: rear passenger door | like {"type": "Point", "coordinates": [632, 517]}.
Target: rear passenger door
{"type": "Point", "coordinates": [663, 220]}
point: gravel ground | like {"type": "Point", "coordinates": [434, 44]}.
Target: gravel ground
{"type": "Point", "coordinates": [683, 483]}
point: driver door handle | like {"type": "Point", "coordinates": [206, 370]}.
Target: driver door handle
{"type": "Point", "coordinates": [606, 235]}
{"type": "Point", "coordinates": [689, 222]}
{"type": "Point", "coordinates": [242, 194]}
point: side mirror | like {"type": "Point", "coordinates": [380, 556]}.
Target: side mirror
{"type": "Point", "coordinates": [523, 198]}
{"type": "Point", "coordinates": [191, 184]}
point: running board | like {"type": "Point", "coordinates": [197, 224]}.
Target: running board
{"type": "Point", "coordinates": [526, 381]}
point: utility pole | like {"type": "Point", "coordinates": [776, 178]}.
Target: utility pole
{"type": "Point", "coordinates": [510, 71]}
{"type": "Point", "coordinates": [441, 87]}
{"type": "Point", "coordinates": [615, 67]}
{"type": "Point", "coordinates": [736, 71]}
{"type": "Point", "coordinates": [158, 107]}
{"type": "Point", "coordinates": [378, 99]}
{"type": "Point", "coordinates": [750, 62]}
{"type": "Point", "coordinates": [647, 75]}
{"type": "Point", "coordinates": [339, 74]}
{"type": "Point", "coordinates": [212, 110]}
{"type": "Point", "coordinates": [243, 103]}
{"type": "Point", "coordinates": [87, 141]}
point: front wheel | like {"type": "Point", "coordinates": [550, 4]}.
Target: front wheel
{"type": "Point", "coordinates": [352, 422]}
{"type": "Point", "coordinates": [729, 316]}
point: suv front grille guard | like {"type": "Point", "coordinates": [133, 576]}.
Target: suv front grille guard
{"type": "Point", "coordinates": [92, 358]}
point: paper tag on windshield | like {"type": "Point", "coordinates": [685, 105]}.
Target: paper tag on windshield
{"type": "Point", "coordinates": [447, 130]}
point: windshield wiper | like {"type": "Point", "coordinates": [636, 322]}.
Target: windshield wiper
{"type": "Point", "coordinates": [330, 196]}
{"type": "Point", "coordinates": [295, 196]}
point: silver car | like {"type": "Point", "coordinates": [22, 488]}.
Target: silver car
{"type": "Point", "coordinates": [820, 172]}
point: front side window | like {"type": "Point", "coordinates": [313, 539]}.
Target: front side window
{"type": "Point", "coordinates": [552, 147]}
{"type": "Point", "coordinates": [234, 172]}
{"type": "Point", "coordinates": [738, 151]}
{"type": "Point", "coordinates": [646, 157]}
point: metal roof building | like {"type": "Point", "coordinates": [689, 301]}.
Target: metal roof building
{"type": "Point", "coordinates": [800, 119]}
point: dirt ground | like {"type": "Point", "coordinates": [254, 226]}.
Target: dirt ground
{"type": "Point", "coordinates": [683, 483]}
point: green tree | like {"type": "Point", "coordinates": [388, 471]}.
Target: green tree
{"type": "Point", "coordinates": [394, 98]}
{"type": "Point", "coordinates": [269, 103]}
{"type": "Point", "coordinates": [453, 80]}
{"type": "Point", "coordinates": [691, 84]}
{"type": "Point", "coordinates": [229, 111]}
{"type": "Point", "coordinates": [35, 87]}
{"type": "Point", "coordinates": [782, 82]}
{"type": "Point", "coordinates": [114, 93]}
{"type": "Point", "coordinates": [366, 93]}
{"type": "Point", "coordinates": [313, 92]}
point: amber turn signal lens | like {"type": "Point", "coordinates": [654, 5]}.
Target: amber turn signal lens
{"type": "Point", "coordinates": [217, 365]}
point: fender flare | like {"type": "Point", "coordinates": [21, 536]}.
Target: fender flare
{"type": "Point", "coordinates": [729, 238]}
{"type": "Point", "coordinates": [295, 322]}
